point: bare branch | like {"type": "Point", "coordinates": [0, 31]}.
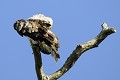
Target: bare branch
{"type": "Point", "coordinates": [38, 30]}
{"type": "Point", "coordinates": [72, 58]}
{"type": "Point", "coordinates": [38, 62]}
{"type": "Point", "coordinates": [81, 49]}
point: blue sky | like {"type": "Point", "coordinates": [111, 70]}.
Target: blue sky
{"type": "Point", "coordinates": [75, 22]}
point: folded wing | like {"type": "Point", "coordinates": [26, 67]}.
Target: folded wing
{"type": "Point", "coordinates": [37, 31]}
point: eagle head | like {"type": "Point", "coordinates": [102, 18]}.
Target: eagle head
{"type": "Point", "coordinates": [18, 26]}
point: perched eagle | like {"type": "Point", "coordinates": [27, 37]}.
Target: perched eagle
{"type": "Point", "coordinates": [38, 30]}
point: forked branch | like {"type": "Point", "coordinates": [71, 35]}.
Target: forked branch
{"type": "Point", "coordinates": [80, 49]}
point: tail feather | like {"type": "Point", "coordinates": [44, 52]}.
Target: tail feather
{"type": "Point", "coordinates": [56, 56]}
{"type": "Point", "coordinates": [49, 50]}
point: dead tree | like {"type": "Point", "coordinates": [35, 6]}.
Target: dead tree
{"type": "Point", "coordinates": [80, 49]}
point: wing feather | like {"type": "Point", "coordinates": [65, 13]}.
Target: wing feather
{"type": "Point", "coordinates": [34, 29]}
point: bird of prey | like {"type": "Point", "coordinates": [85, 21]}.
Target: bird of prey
{"type": "Point", "coordinates": [38, 30]}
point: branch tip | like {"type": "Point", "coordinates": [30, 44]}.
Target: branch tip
{"type": "Point", "coordinates": [113, 29]}
{"type": "Point", "coordinates": [79, 46]}
{"type": "Point", "coordinates": [104, 26]}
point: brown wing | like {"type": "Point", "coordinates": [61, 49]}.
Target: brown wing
{"type": "Point", "coordinates": [48, 41]}
{"type": "Point", "coordinates": [52, 38]}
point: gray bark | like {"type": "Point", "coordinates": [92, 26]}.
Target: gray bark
{"type": "Point", "coordinates": [80, 49]}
